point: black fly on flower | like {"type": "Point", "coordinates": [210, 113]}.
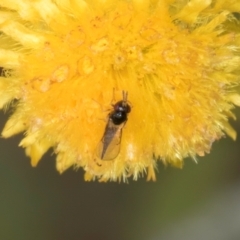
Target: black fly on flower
{"type": "Point", "coordinates": [109, 146]}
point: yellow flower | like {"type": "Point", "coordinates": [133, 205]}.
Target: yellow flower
{"type": "Point", "coordinates": [66, 63]}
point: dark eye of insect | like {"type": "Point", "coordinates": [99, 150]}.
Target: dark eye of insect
{"type": "Point", "coordinates": [109, 147]}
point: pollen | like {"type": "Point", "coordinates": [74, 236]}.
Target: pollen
{"type": "Point", "coordinates": [65, 64]}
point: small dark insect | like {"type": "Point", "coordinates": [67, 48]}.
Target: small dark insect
{"type": "Point", "coordinates": [109, 146]}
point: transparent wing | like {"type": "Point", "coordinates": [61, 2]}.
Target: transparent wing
{"type": "Point", "coordinates": [110, 144]}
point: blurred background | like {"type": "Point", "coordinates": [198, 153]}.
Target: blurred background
{"type": "Point", "coordinates": [201, 201]}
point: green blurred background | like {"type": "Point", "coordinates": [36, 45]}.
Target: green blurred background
{"type": "Point", "coordinates": [201, 201]}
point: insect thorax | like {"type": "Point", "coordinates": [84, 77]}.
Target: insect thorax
{"type": "Point", "coordinates": [118, 117]}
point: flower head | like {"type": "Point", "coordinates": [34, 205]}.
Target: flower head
{"type": "Point", "coordinates": [67, 62]}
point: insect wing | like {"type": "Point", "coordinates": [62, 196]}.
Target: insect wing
{"type": "Point", "coordinates": [109, 147]}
